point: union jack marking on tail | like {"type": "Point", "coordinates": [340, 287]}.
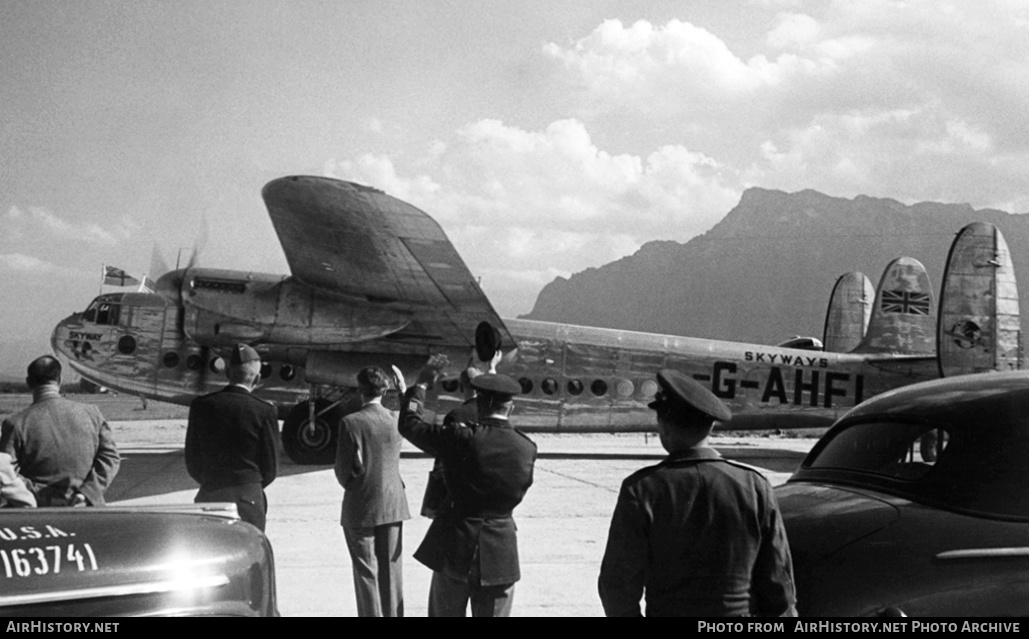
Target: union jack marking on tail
{"type": "Point", "coordinates": [906, 302]}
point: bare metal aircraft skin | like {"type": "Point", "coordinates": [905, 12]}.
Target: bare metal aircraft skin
{"type": "Point", "coordinates": [375, 281]}
{"type": "Point", "coordinates": [577, 378]}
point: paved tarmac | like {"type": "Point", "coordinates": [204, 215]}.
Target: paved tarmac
{"type": "Point", "coordinates": [562, 523]}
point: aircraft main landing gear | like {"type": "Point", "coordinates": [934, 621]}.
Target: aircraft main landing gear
{"type": "Point", "coordinates": [309, 437]}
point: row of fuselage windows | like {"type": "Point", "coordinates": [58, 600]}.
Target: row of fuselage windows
{"type": "Point", "coordinates": [622, 388]}
{"type": "Point", "coordinates": [195, 362]}
{"type": "Point", "coordinates": [547, 386]}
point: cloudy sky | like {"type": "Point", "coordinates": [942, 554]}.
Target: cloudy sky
{"type": "Point", "coordinates": [546, 137]}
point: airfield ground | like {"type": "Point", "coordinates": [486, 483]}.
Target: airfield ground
{"type": "Point", "coordinates": [562, 524]}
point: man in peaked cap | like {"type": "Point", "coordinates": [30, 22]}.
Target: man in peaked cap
{"type": "Point", "coordinates": [230, 441]}
{"type": "Point", "coordinates": [472, 546]}
{"type": "Point", "coordinates": [697, 534]}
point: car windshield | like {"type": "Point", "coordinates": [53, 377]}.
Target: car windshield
{"type": "Point", "coordinates": [975, 464]}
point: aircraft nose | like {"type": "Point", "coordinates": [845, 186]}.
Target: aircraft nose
{"type": "Point", "coordinates": [60, 335]}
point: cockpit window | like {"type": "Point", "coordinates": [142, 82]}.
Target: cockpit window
{"type": "Point", "coordinates": [103, 312]}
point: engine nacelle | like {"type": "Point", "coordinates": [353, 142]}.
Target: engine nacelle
{"type": "Point", "coordinates": [224, 307]}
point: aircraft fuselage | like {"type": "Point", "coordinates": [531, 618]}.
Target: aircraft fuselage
{"type": "Point", "coordinates": [575, 378]}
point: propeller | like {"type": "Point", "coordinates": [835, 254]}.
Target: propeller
{"type": "Point", "coordinates": [158, 265]}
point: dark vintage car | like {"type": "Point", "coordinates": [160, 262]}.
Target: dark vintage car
{"type": "Point", "coordinates": [917, 502]}
{"type": "Point", "coordinates": [78, 562]}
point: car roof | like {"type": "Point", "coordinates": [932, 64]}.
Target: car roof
{"type": "Point", "coordinates": [952, 396]}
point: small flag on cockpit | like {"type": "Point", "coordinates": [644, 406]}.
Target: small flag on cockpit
{"type": "Point", "coordinates": [147, 285]}
{"type": "Point", "coordinates": [117, 277]}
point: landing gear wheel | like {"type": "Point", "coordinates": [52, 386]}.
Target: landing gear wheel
{"type": "Point", "coordinates": [310, 444]}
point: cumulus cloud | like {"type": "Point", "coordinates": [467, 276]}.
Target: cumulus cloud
{"type": "Point", "coordinates": [38, 220]}
{"type": "Point", "coordinates": [908, 100]}
{"type": "Point", "coordinates": [526, 205]}
{"type": "Point", "coordinates": [21, 264]}
{"type": "Point", "coordinates": [680, 68]}
{"type": "Point", "coordinates": [915, 101]}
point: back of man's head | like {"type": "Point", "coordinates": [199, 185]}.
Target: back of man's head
{"type": "Point", "coordinates": [495, 394]}
{"type": "Point", "coordinates": [490, 405]}
{"type": "Point", "coordinates": [43, 370]}
{"type": "Point", "coordinates": [372, 382]}
{"type": "Point", "coordinates": [244, 364]}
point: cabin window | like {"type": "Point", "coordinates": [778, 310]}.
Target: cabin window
{"type": "Point", "coordinates": [526, 384]}
{"type": "Point", "coordinates": [624, 388]}
{"type": "Point", "coordinates": [217, 365]}
{"type": "Point", "coordinates": [194, 362]}
{"type": "Point", "coordinates": [450, 385]}
{"type": "Point", "coordinates": [266, 370]}
{"type": "Point", "coordinates": [575, 387]}
{"type": "Point", "coordinates": [127, 345]}
{"type": "Point", "coordinates": [171, 359]}
{"type": "Point", "coordinates": [548, 386]}
{"type": "Point", "coordinates": [287, 373]}
{"type": "Point", "coordinates": [598, 387]}
{"type": "Point", "coordinates": [648, 388]}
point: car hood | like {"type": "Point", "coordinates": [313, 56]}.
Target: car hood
{"type": "Point", "coordinates": [821, 520]}
{"type": "Point", "coordinates": [129, 561]}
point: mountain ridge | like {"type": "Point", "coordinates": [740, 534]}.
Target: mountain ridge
{"type": "Point", "coordinates": [765, 271]}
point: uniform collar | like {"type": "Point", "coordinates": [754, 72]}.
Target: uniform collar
{"type": "Point", "coordinates": [494, 422]}
{"type": "Point", "coordinates": [695, 453]}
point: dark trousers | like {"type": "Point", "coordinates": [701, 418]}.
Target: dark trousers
{"type": "Point", "coordinates": [376, 554]}
{"type": "Point", "coordinates": [249, 499]}
{"type": "Point", "coordinates": [449, 597]}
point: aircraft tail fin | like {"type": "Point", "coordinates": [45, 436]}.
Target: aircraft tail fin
{"type": "Point", "coordinates": [903, 318]}
{"type": "Point", "coordinates": [979, 328]}
{"type": "Point", "coordinates": [850, 307]}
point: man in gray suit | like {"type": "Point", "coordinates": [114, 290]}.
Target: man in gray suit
{"type": "Point", "coordinates": [63, 449]}
{"type": "Point", "coordinates": [374, 502]}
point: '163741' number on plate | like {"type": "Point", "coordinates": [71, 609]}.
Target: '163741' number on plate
{"type": "Point", "coordinates": [44, 560]}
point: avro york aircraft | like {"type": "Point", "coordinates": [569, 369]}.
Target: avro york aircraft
{"type": "Point", "coordinates": [375, 281]}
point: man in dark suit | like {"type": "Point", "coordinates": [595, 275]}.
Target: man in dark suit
{"type": "Point", "coordinates": [696, 535]}
{"type": "Point", "coordinates": [230, 441]}
{"type": "Point", "coordinates": [472, 546]}
{"type": "Point", "coordinates": [374, 501]}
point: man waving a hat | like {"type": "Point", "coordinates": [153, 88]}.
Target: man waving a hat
{"type": "Point", "coordinates": [697, 534]}
{"type": "Point", "coordinates": [472, 546]}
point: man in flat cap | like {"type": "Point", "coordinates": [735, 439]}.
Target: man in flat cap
{"type": "Point", "coordinates": [697, 534]}
{"type": "Point", "coordinates": [64, 450]}
{"type": "Point", "coordinates": [472, 546]}
{"type": "Point", "coordinates": [230, 441]}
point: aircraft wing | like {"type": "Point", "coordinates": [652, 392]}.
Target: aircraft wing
{"type": "Point", "coordinates": [347, 239]}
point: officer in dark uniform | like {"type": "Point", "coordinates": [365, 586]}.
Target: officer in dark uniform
{"type": "Point", "coordinates": [467, 413]}
{"type": "Point", "coordinates": [696, 535]}
{"type": "Point", "coordinates": [472, 546]}
{"type": "Point", "coordinates": [230, 441]}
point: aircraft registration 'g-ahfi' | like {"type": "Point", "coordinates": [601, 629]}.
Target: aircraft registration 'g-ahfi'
{"type": "Point", "coordinates": [375, 282]}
